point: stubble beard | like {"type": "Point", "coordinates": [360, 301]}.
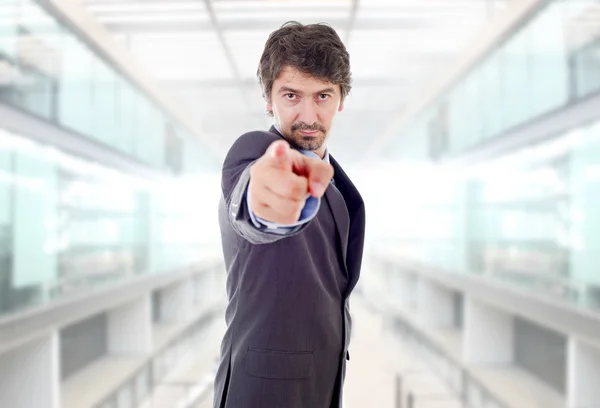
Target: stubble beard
{"type": "Point", "coordinates": [309, 143]}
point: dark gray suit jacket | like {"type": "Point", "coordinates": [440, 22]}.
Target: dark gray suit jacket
{"type": "Point", "coordinates": [288, 318]}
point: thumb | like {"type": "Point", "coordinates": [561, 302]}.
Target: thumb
{"type": "Point", "coordinates": [278, 154]}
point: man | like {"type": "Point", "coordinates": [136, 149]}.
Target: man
{"type": "Point", "coordinates": [292, 234]}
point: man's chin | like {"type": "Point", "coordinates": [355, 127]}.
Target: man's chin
{"type": "Point", "coordinates": [309, 143]}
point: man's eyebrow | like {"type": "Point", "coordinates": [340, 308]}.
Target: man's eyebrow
{"type": "Point", "coordinates": [327, 90]}
{"type": "Point", "coordinates": [295, 91]}
{"type": "Point", "coordinates": [289, 90]}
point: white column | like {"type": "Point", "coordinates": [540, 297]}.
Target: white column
{"type": "Point", "coordinates": [583, 374]}
{"type": "Point", "coordinates": [435, 304]}
{"type": "Point", "coordinates": [30, 375]}
{"type": "Point", "coordinates": [488, 334]}
{"type": "Point", "coordinates": [130, 327]}
{"type": "Point", "coordinates": [176, 301]}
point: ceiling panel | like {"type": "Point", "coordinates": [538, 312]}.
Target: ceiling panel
{"type": "Point", "coordinates": [210, 100]}
{"type": "Point", "coordinates": [182, 56]}
{"type": "Point", "coordinates": [422, 41]}
{"type": "Point", "coordinates": [395, 46]}
{"type": "Point", "coordinates": [246, 48]}
{"type": "Point", "coordinates": [380, 98]}
{"type": "Point", "coordinates": [403, 53]}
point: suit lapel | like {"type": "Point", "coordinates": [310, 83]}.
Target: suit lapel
{"type": "Point", "coordinates": [356, 233]}
{"type": "Point", "coordinates": [340, 215]}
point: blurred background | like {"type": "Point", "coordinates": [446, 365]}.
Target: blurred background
{"type": "Point", "coordinates": [472, 132]}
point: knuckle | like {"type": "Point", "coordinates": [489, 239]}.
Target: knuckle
{"type": "Point", "coordinates": [293, 189]}
{"type": "Point", "coordinates": [298, 188]}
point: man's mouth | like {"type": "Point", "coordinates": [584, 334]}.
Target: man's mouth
{"type": "Point", "coordinates": [309, 132]}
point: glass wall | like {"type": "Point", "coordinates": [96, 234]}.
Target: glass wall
{"type": "Point", "coordinates": [534, 218]}
{"type": "Point", "coordinates": [529, 218]}
{"type": "Point", "coordinates": [68, 224]}
{"type": "Point", "coordinates": [549, 62]}
{"type": "Point", "coordinates": [45, 69]}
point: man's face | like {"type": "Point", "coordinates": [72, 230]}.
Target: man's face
{"type": "Point", "coordinates": [304, 108]}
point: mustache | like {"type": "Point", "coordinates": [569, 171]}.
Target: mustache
{"type": "Point", "coordinates": [311, 128]}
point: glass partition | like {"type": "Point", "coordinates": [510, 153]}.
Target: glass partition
{"type": "Point", "coordinates": [68, 224]}
{"type": "Point", "coordinates": [46, 70]}
{"type": "Point", "coordinates": [529, 218]}
{"type": "Point", "coordinates": [549, 62]}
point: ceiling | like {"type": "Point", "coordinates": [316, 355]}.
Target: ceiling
{"type": "Point", "coordinates": [206, 52]}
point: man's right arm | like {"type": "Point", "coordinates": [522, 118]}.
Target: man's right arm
{"type": "Point", "coordinates": [234, 184]}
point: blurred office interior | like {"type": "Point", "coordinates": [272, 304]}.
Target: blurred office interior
{"type": "Point", "coordinates": [472, 132]}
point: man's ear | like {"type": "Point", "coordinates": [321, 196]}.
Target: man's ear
{"type": "Point", "coordinates": [268, 103]}
{"type": "Point", "coordinates": [341, 108]}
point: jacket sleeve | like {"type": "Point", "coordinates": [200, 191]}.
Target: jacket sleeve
{"type": "Point", "coordinates": [235, 178]}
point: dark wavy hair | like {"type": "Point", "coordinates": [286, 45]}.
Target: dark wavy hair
{"type": "Point", "coordinates": [314, 49]}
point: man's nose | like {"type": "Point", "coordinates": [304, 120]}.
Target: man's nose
{"type": "Point", "coordinates": [308, 112]}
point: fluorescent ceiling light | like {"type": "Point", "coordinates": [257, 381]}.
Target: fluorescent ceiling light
{"type": "Point", "coordinates": [281, 5]}
{"type": "Point", "coordinates": [147, 6]}
{"type": "Point", "coordinates": [449, 17]}
{"type": "Point", "coordinates": [152, 18]}
{"type": "Point", "coordinates": [169, 36]}
{"type": "Point", "coordinates": [430, 4]}
{"type": "Point", "coordinates": [283, 16]}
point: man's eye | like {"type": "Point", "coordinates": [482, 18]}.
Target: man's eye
{"type": "Point", "coordinates": [323, 97]}
{"type": "Point", "coordinates": [290, 96]}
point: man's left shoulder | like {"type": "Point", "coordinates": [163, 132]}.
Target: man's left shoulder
{"type": "Point", "coordinates": [343, 181]}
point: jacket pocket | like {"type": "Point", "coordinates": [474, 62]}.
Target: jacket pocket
{"type": "Point", "coordinates": [281, 365]}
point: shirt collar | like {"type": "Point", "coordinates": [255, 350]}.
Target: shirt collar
{"type": "Point", "coordinates": [308, 152]}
